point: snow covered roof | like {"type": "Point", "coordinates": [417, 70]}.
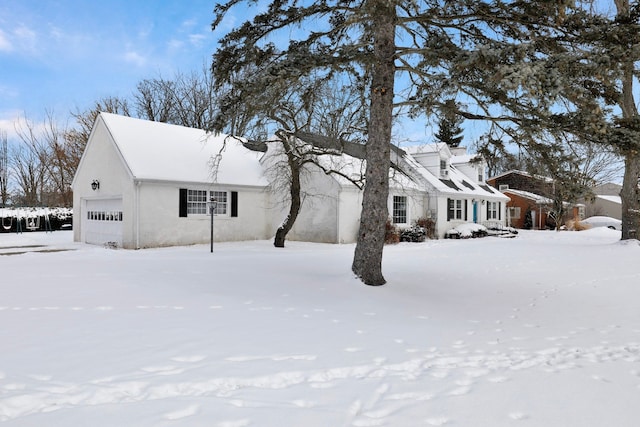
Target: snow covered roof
{"type": "Point", "coordinates": [531, 196]}
{"type": "Point", "coordinates": [464, 158]}
{"type": "Point", "coordinates": [519, 172]}
{"type": "Point", "coordinates": [455, 184]}
{"type": "Point", "coordinates": [437, 147]}
{"type": "Point", "coordinates": [161, 151]}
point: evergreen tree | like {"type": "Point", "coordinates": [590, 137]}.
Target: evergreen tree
{"type": "Point", "coordinates": [449, 130]}
{"type": "Point", "coordinates": [439, 48]}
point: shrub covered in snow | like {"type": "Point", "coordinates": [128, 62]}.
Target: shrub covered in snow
{"type": "Point", "coordinates": [413, 234]}
{"type": "Point", "coordinates": [466, 231]}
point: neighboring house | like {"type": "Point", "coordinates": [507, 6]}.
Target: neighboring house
{"type": "Point", "coordinates": [606, 201]}
{"type": "Point", "coordinates": [520, 180]}
{"type": "Point", "coordinates": [531, 205]}
{"type": "Point", "coordinates": [144, 184]}
{"type": "Point", "coordinates": [528, 210]}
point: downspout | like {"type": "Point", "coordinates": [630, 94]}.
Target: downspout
{"type": "Point", "coordinates": [338, 214]}
{"type": "Point", "coordinates": [137, 210]}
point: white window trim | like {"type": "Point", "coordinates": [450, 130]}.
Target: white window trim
{"type": "Point", "coordinates": [223, 209]}
{"type": "Point", "coordinates": [492, 210]}
{"type": "Point", "coordinates": [394, 210]}
{"type": "Point", "coordinates": [458, 210]}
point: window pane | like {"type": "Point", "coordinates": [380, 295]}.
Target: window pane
{"type": "Point", "coordinates": [221, 201]}
{"type": "Point", "coordinates": [196, 202]}
{"type": "Point", "coordinates": [399, 209]}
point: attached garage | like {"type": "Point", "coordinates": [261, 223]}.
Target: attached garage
{"type": "Point", "coordinates": [143, 184]}
{"type": "Point", "coordinates": [103, 222]}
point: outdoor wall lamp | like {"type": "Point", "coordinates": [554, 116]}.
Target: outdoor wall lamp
{"type": "Point", "coordinates": [95, 185]}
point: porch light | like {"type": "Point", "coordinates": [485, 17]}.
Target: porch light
{"type": "Point", "coordinates": [95, 185]}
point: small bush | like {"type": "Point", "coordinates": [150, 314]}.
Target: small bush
{"type": "Point", "coordinates": [429, 226]}
{"type": "Point", "coordinates": [576, 225]}
{"type": "Point", "coordinates": [413, 234]}
{"type": "Point", "coordinates": [391, 234]}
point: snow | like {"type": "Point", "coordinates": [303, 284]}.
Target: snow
{"type": "Point", "coordinates": [541, 200]}
{"type": "Point", "coordinates": [539, 330]}
{"type": "Point", "coordinates": [603, 221]}
{"type": "Point", "coordinates": [458, 178]}
{"type": "Point", "coordinates": [161, 151]}
{"type": "Point", "coordinates": [467, 230]}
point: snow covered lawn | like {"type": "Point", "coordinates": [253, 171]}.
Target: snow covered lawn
{"type": "Point", "coordinates": [540, 330]}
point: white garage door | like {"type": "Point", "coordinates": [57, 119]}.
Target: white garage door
{"type": "Point", "coordinates": [103, 222]}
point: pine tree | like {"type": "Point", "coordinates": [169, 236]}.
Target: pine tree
{"type": "Point", "coordinates": [439, 48]}
{"type": "Point", "coordinates": [449, 129]}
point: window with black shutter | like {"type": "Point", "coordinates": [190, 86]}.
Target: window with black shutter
{"type": "Point", "coordinates": [234, 203]}
{"type": "Point", "coordinates": [182, 203]}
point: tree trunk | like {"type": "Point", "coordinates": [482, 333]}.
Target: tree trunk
{"type": "Point", "coordinates": [294, 193]}
{"type": "Point", "coordinates": [629, 193]}
{"type": "Point", "coordinates": [630, 197]}
{"type": "Point", "coordinates": [367, 261]}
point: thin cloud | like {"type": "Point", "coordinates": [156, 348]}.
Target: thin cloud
{"type": "Point", "coordinates": [5, 43]}
{"type": "Point", "coordinates": [135, 58]}
{"type": "Point", "coordinates": [25, 38]}
{"type": "Point", "coordinates": [197, 39]}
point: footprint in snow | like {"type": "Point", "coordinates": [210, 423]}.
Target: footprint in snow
{"type": "Point", "coordinates": [41, 377]}
{"type": "Point", "coordinates": [303, 403]}
{"type": "Point", "coordinates": [189, 359]}
{"type": "Point", "coordinates": [163, 370]}
{"type": "Point", "coordinates": [182, 413]}
{"type": "Point", "coordinates": [234, 423]}
{"type": "Point", "coordinates": [518, 416]}
{"type": "Point", "coordinates": [440, 421]}
{"type": "Point", "coordinates": [460, 391]}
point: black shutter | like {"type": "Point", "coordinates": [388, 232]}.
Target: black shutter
{"type": "Point", "coordinates": [182, 209]}
{"type": "Point", "coordinates": [499, 211]}
{"type": "Point", "coordinates": [449, 209]}
{"type": "Point", "coordinates": [488, 205]}
{"type": "Point", "coordinates": [234, 203]}
{"type": "Point", "coordinates": [465, 209]}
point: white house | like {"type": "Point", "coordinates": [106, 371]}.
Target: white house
{"type": "Point", "coordinates": [429, 181]}
{"type": "Point", "coordinates": [145, 184]}
{"type": "Point", "coordinates": [454, 186]}
{"type": "Point", "coordinates": [332, 202]}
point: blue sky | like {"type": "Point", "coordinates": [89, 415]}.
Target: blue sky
{"type": "Point", "coordinates": [62, 55]}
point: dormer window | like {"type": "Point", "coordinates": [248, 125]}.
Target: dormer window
{"type": "Point", "coordinates": [444, 172]}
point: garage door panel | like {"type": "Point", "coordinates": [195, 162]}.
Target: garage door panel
{"type": "Point", "coordinates": [103, 221]}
